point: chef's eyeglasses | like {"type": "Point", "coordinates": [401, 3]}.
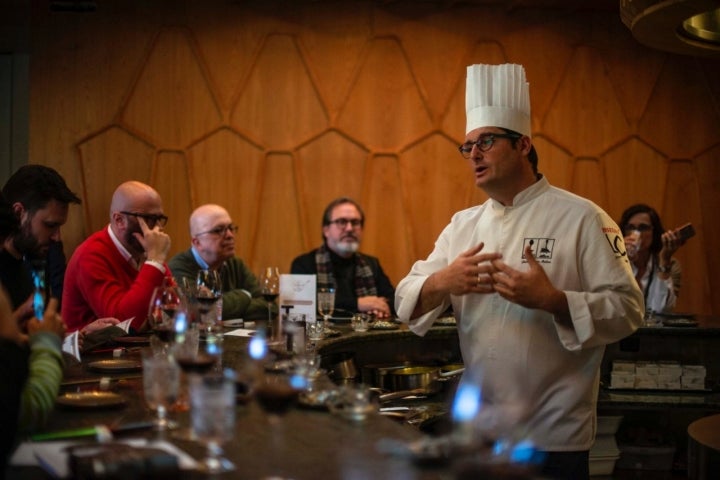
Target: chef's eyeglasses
{"type": "Point", "coordinates": [640, 227]}
{"type": "Point", "coordinates": [149, 218]}
{"type": "Point", "coordinates": [484, 142]}
{"type": "Point", "coordinates": [343, 222]}
{"type": "Point", "coordinates": [220, 230]}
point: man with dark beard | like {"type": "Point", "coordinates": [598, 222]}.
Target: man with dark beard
{"type": "Point", "coordinates": [359, 281]}
{"type": "Point", "coordinates": [39, 198]}
{"type": "Point", "coordinates": [113, 273]}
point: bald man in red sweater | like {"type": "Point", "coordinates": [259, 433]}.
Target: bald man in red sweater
{"type": "Point", "coordinates": [113, 273]}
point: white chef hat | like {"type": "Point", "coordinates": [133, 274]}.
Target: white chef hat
{"type": "Point", "coordinates": [497, 96]}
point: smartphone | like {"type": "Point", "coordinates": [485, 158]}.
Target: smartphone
{"type": "Point", "coordinates": [686, 231]}
{"type": "Point", "coordinates": [38, 277]}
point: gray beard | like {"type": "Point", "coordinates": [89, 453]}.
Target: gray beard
{"type": "Point", "coordinates": [347, 248]}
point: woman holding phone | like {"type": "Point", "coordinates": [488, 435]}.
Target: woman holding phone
{"type": "Point", "coordinates": [650, 249]}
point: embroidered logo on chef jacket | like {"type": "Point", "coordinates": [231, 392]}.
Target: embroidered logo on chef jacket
{"type": "Point", "coordinates": [542, 248]}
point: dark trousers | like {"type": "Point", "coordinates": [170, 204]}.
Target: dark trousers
{"type": "Point", "coordinates": [567, 466]}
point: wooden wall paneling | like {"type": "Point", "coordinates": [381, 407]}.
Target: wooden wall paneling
{"type": "Point", "coordinates": [554, 162]}
{"type": "Point", "coordinates": [172, 101]}
{"type": "Point", "coordinates": [228, 40]}
{"type": "Point", "coordinates": [242, 88]}
{"type": "Point", "coordinates": [225, 168]}
{"type": "Point", "coordinates": [277, 240]}
{"type": "Point", "coordinates": [678, 121]}
{"type": "Point", "coordinates": [385, 111]}
{"type": "Point", "coordinates": [333, 43]}
{"type": "Point", "coordinates": [682, 204]}
{"type": "Point", "coordinates": [707, 169]}
{"type": "Point", "coordinates": [279, 104]}
{"type": "Point", "coordinates": [589, 181]}
{"type": "Point", "coordinates": [170, 178]}
{"type": "Point", "coordinates": [585, 116]}
{"type": "Point", "coordinates": [435, 57]}
{"type": "Point", "coordinates": [435, 182]}
{"type": "Point", "coordinates": [326, 168]}
{"type": "Point", "coordinates": [107, 159]}
{"type": "Point", "coordinates": [638, 174]}
{"type": "Point", "coordinates": [385, 234]}
{"type": "Point", "coordinates": [544, 47]}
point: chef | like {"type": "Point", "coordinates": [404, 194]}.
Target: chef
{"type": "Point", "coordinates": [536, 277]}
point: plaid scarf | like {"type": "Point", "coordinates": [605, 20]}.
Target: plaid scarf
{"type": "Point", "coordinates": [364, 280]}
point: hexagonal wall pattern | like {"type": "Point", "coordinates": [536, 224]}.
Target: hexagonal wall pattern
{"type": "Point", "coordinates": [272, 112]}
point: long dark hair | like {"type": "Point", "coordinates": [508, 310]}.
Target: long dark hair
{"type": "Point", "coordinates": [657, 225]}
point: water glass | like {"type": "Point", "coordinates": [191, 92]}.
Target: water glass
{"type": "Point", "coordinates": [315, 331]}
{"type": "Point", "coordinates": [161, 383]}
{"type": "Point", "coordinates": [212, 399]}
{"type": "Point", "coordinates": [360, 322]}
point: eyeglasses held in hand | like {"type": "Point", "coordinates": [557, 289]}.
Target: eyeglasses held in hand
{"type": "Point", "coordinates": [149, 218]}
{"type": "Point", "coordinates": [484, 142]}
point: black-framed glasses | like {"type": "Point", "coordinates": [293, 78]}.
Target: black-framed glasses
{"type": "Point", "coordinates": [640, 227]}
{"type": "Point", "coordinates": [150, 218]}
{"type": "Point", "coordinates": [344, 222]}
{"type": "Point", "coordinates": [220, 230]}
{"type": "Point", "coordinates": [484, 142]}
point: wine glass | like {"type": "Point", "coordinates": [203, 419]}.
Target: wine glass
{"type": "Point", "coordinates": [270, 289]}
{"type": "Point", "coordinates": [161, 382]}
{"type": "Point", "coordinates": [208, 292]}
{"type": "Point", "coordinates": [275, 394]}
{"type": "Point", "coordinates": [165, 302]}
{"type": "Point", "coordinates": [213, 416]}
{"type": "Point", "coordinates": [326, 303]}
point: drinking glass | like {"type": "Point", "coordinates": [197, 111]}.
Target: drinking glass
{"type": "Point", "coordinates": [208, 291]}
{"type": "Point", "coordinates": [270, 289]}
{"type": "Point", "coordinates": [213, 416]}
{"type": "Point", "coordinates": [166, 301]}
{"type": "Point", "coordinates": [275, 394]}
{"type": "Point", "coordinates": [161, 381]}
{"type": "Point", "coordinates": [326, 303]}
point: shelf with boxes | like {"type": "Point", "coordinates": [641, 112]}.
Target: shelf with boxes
{"type": "Point", "coordinates": [657, 375]}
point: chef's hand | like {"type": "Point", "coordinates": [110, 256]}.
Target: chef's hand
{"type": "Point", "coordinates": [531, 288]}
{"type": "Point", "coordinates": [378, 306]}
{"type": "Point", "coordinates": [470, 272]}
{"type": "Point", "coordinates": [155, 242]}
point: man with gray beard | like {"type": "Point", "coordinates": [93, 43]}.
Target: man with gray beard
{"type": "Point", "coordinates": [359, 281]}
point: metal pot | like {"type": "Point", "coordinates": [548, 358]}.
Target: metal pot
{"type": "Point", "coordinates": [340, 366]}
{"type": "Point", "coordinates": [376, 374]}
{"type": "Point", "coordinates": [413, 378]}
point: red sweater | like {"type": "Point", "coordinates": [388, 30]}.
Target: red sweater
{"type": "Point", "coordinates": [100, 283]}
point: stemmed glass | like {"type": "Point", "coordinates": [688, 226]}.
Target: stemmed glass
{"type": "Point", "coordinates": [326, 303]}
{"type": "Point", "coordinates": [270, 289]}
{"type": "Point", "coordinates": [208, 291]}
{"type": "Point", "coordinates": [213, 416]}
{"type": "Point", "coordinates": [161, 382]}
{"type": "Point", "coordinates": [165, 302]}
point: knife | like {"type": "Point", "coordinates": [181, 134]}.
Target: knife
{"type": "Point", "coordinates": [100, 432]}
{"type": "Point", "coordinates": [98, 380]}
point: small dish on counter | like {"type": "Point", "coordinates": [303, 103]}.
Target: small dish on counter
{"type": "Point", "coordinates": [449, 321]}
{"type": "Point", "coordinates": [94, 399]}
{"type": "Point", "coordinates": [115, 365]}
{"type": "Point", "coordinates": [384, 325]}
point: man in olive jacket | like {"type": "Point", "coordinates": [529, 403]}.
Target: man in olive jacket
{"type": "Point", "coordinates": [213, 247]}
